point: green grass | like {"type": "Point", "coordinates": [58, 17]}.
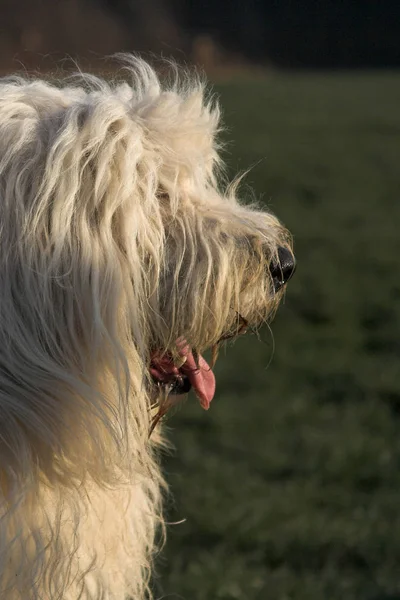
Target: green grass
{"type": "Point", "coordinates": [290, 485]}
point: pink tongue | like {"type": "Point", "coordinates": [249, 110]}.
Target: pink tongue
{"type": "Point", "coordinates": [200, 376]}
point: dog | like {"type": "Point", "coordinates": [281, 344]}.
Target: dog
{"type": "Point", "coordinates": [122, 259]}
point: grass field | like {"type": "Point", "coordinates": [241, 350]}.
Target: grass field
{"type": "Point", "coordinates": [290, 485]}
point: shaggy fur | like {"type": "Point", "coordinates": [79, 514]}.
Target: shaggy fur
{"type": "Point", "coordinates": [115, 241]}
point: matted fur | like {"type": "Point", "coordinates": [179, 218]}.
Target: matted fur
{"type": "Point", "coordinates": [115, 240]}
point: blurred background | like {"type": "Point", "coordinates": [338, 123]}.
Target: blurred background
{"type": "Point", "coordinates": [290, 486]}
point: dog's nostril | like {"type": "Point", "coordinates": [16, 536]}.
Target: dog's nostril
{"type": "Point", "coordinates": [283, 270]}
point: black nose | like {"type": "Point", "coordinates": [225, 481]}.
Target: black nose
{"type": "Point", "coordinates": [282, 270]}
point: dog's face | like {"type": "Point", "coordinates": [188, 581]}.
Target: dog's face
{"type": "Point", "coordinates": [223, 265]}
{"type": "Point", "coordinates": [224, 270]}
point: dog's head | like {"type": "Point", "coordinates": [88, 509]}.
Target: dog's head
{"type": "Point", "coordinates": [121, 259]}
{"type": "Point", "coordinates": [220, 266]}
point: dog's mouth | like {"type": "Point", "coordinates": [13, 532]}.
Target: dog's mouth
{"type": "Point", "coordinates": [174, 377]}
{"type": "Point", "coordinates": [189, 370]}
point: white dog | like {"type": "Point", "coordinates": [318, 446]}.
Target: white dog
{"type": "Point", "coordinates": [121, 261]}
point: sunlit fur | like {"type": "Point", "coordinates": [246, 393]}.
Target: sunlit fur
{"type": "Point", "coordinates": [115, 240]}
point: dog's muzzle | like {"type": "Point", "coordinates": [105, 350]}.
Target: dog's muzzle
{"type": "Point", "coordinates": [282, 270]}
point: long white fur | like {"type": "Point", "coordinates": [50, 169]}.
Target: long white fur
{"type": "Point", "coordinates": [114, 241]}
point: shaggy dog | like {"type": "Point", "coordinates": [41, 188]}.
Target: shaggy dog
{"type": "Point", "coordinates": [121, 261]}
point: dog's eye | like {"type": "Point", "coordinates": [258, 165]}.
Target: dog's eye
{"type": "Point", "coordinates": [162, 195]}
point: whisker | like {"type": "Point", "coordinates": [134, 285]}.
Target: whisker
{"type": "Point", "coordinates": [266, 344]}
